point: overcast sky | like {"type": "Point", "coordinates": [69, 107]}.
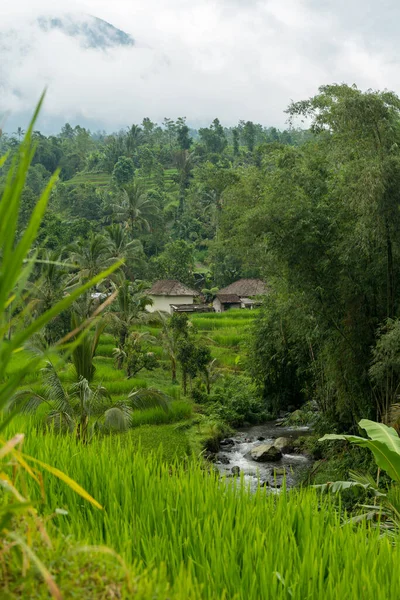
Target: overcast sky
{"type": "Point", "coordinates": [235, 59]}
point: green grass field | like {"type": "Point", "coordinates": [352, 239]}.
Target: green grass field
{"type": "Point", "coordinates": [184, 534]}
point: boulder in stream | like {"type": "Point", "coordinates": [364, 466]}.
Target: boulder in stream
{"type": "Point", "coordinates": [227, 442]}
{"type": "Point", "coordinates": [284, 444]}
{"type": "Point", "coordinates": [265, 453]}
{"type": "Point", "coordinates": [235, 470]}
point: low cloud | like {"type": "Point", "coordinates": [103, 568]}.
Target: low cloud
{"type": "Point", "coordinates": [235, 60]}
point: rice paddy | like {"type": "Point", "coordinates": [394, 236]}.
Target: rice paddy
{"type": "Point", "coordinates": [170, 529]}
{"type": "Point", "coordinates": [183, 533]}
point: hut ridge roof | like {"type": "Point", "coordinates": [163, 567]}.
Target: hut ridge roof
{"type": "Point", "coordinates": [245, 288]}
{"type": "Point", "coordinates": [171, 287]}
{"type": "Point", "coordinates": [228, 298]}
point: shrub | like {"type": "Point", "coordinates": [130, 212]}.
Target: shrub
{"type": "Point", "coordinates": [236, 402]}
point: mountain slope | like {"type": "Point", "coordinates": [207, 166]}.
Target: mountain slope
{"type": "Point", "coordinates": [91, 31]}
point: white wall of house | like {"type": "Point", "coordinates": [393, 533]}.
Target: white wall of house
{"type": "Point", "coordinates": [246, 303]}
{"type": "Point", "coordinates": [218, 307]}
{"type": "Point", "coordinates": [164, 302]}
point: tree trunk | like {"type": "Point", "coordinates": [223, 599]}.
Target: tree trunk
{"type": "Point", "coordinates": [390, 273]}
{"type": "Point", "coordinates": [173, 370]}
{"type": "Point", "coordinates": [184, 382]}
{"type": "Point", "coordinates": [122, 339]}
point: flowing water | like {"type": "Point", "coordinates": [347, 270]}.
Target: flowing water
{"type": "Point", "coordinates": [270, 473]}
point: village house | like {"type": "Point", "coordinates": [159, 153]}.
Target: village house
{"type": "Point", "coordinates": [167, 294]}
{"type": "Point", "coordinates": [244, 293]}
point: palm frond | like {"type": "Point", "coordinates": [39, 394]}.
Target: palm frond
{"type": "Point", "coordinates": [148, 398]}
{"type": "Point", "coordinates": [55, 391]}
{"type": "Point", "coordinates": [38, 345]}
{"type": "Point", "coordinates": [118, 418]}
{"type": "Point", "coordinates": [26, 401]}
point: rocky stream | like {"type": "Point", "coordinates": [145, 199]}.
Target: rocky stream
{"type": "Point", "coordinates": [263, 453]}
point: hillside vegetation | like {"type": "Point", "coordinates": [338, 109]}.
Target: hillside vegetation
{"type": "Point", "coordinates": [113, 417]}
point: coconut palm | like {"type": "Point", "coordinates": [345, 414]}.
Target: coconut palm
{"type": "Point", "coordinates": [134, 138]}
{"type": "Point", "coordinates": [184, 161]}
{"type": "Point", "coordinates": [169, 341]}
{"type": "Point", "coordinates": [135, 207]}
{"type": "Point", "coordinates": [130, 304]}
{"type": "Point", "coordinates": [210, 374]}
{"type": "Point", "coordinates": [91, 256]}
{"type": "Point", "coordinates": [81, 408]}
{"type": "Point", "coordinates": [19, 133]}
{"type": "Point", "coordinates": [121, 247]}
{"type": "Point", "coordinates": [49, 286]}
{"type": "Point", "coordinates": [83, 354]}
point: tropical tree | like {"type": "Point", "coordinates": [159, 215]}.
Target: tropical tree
{"type": "Point", "coordinates": [176, 262]}
{"type": "Point", "coordinates": [135, 354]}
{"type": "Point", "coordinates": [169, 342]}
{"type": "Point", "coordinates": [134, 138]}
{"type": "Point", "coordinates": [49, 283]}
{"type": "Point", "coordinates": [81, 408]}
{"type": "Point", "coordinates": [90, 256]}
{"type": "Point", "coordinates": [122, 247]}
{"type": "Point", "coordinates": [135, 208]}
{"type": "Point", "coordinates": [19, 133]}
{"type": "Point", "coordinates": [123, 170]}
{"type": "Point", "coordinates": [210, 372]}
{"type": "Point", "coordinates": [130, 303]}
{"type": "Point", "coordinates": [85, 349]}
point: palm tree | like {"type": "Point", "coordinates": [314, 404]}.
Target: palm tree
{"type": "Point", "coordinates": [121, 247]}
{"type": "Point", "coordinates": [135, 207]}
{"type": "Point", "coordinates": [210, 374]}
{"type": "Point", "coordinates": [84, 352]}
{"type": "Point", "coordinates": [169, 341]}
{"type": "Point", "coordinates": [49, 287]}
{"type": "Point", "coordinates": [134, 138]}
{"type": "Point", "coordinates": [82, 409]}
{"type": "Point", "coordinates": [91, 256]}
{"type": "Point", "coordinates": [131, 302]}
{"type": "Point", "coordinates": [19, 133]}
{"type": "Point", "coordinates": [184, 161]}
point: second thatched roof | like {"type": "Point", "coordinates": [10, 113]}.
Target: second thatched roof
{"type": "Point", "coordinates": [245, 288]}
{"type": "Point", "coordinates": [170, 287]}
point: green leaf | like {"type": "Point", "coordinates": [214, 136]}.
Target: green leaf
{"type": "Point", "coordinates": [385, 445]}
{"type": "Point", "coordinates": [70, 482]}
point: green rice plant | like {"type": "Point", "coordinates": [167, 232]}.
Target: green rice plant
{"type": "Point", "coordinates": [174, 391]}
{"type": "Point", "coordinates": [228, 339]}
{"type": "Point", "coordinates": [175, 518]}
{"type": "Point", "coordinates": [178, 411]}
{"type": "Point", "coordinates": [105, 349]}
{"type": "Point", "coordinates": [105, 371]}
{"type": "Point", "coordinates": [125, 386]}
{"type": "Point", "coordinates": [224, 357]}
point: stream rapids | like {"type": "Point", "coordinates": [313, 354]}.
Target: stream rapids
{"type": "Point", "coordinates": [270, 474]}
